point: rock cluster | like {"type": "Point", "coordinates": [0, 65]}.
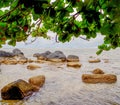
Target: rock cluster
{"type": "Point", "coordinates": [58, 56]}
{"type": "Point", "coordinates": [21, 89]}
{"type": "Point", "coordinates": [14, 57]}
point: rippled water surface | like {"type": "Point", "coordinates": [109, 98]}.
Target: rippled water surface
{"type": "Point", "coordinates": [63, 85]}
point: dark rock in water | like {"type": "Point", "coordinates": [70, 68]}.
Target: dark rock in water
{"type": "Point", "coordinates": [57, 56]}
{"type": "Point", "coordinates": [6, 54]}
{"type": "Point", "coordinates": [43, 56]}
{"type": "Point", "coordinates": [72, 58]}
{"type": "Point", "coordinates": [16, 90]}
{"type": "Point", "coordinates": [36, 55]}
{"type": "Point", "coordinates": [58, 52]}
{"type": "Point", "coordinates": [47, 52]}
{"type": "Point", "coordinates": [18, 52]}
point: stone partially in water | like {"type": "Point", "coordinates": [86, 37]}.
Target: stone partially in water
{"type": "Point", "coordinates": [95, 60]}
{"type": "Point", "coordinates": [99, 78]}
{"type": "Point", "coordinates": [37, 81]}
{"type": "Point", "coordinates": [33, 66]}
{"type": "Point", "coordinates": [42, 56]}
{"type": "Point", "coordinates": [10, 61]}
{"type": "Point", "coordinates": [18, 52]}
{"type": "Point", "coordinates": [97, 71]}
{"type": "Point", "coordinates": [16, 90]}
{"type": "Point", "coordinates": [74, 64]}
{"type": "Point", "coordinates": [72, 58]}
{"type": "Point", "coordinates": [22, 60]}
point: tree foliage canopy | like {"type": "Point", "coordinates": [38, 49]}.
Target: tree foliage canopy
{"type": "Point", "coordinates": [61, 17]}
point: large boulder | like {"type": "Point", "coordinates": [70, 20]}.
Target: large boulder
{"type": "Point", "coordinates": [97, 71]}
{"type": "Point", "coordinates": [99, 78]}
{"type": "Point", "coordinates": [32, 66]}
{"type": "Point", "coordinates": [6, 54]}
{"type": "Point", "coordinates": [16, 90]}
{"type": "Point", "coordinates": [18, 52]}
{"type": "Point", "coordinates": [37, 82]}
{"type": "Point", "coordinates": [72, 58]}
{"type": "Point", "coordinates": [57, 56]}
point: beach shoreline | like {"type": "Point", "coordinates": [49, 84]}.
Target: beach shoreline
{"type": "Point", "coordinates": [63, 84]}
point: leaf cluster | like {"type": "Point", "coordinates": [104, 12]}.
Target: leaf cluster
{"type": "Point", "coordinates": [61, 17]}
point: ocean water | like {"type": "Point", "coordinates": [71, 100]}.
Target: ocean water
{"type": "Point", "coordinates": [63, 85]}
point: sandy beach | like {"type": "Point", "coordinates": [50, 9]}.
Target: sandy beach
{"type": "Point", "coordinates": [63, 84]}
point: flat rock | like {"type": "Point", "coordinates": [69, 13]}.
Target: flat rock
{"type": "Point", "coordinates": [95, 60]}
{"type": "Point", "coordinates": [74, 64]}
{"type": "Point", "coordinates": [16, 90]}
{"type": "Point", "coordinates": [72, 58]}
{"type": "Point", "coordinates": [99, 78]}
{"type": "Point", "coordinates": [97, 71]}
{"type": "Point", "coordinates": [33, 66]}
{"type": "Point", "coordinates": [37, 81]}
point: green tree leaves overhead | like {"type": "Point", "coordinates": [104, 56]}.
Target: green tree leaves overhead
{"type": "Point", "coordinates": [36, 17]}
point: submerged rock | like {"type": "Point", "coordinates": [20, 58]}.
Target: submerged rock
{"type": "Point", "coordinates": [95, 60]}
{"type": "Point", "coordinates": [97, 71]}
{"type": "Point", "coordinates": [33, 66]}
{"type": "Point", "coordinates": [16, 90]}
{"type": "Point", "coordinates": [99, 78]}
{"type": "Point", "coordinates": [37, 82]}
{"type": "Point", "coordinates": [72, 58]}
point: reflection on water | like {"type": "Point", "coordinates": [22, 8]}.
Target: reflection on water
{"type": "Point", "coordinates": [64, 86]}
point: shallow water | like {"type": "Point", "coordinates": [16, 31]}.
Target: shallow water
{"type": "Point", "coordinates": [63, 85]}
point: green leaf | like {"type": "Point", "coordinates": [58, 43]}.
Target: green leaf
{"type": "Point", "coordinates": [99, 52]}
{"type": "Point", "coordinates": [14, 4]}
{"type": "Point", "coordinates": [3, 24]}
{"type": "Point", "coordinates": [69, 8]}
{"type": "Point", "coordinates": [1, 12]}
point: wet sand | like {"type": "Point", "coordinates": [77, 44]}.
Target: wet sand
{"type": "Point", "coordinates": [63, 84]}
